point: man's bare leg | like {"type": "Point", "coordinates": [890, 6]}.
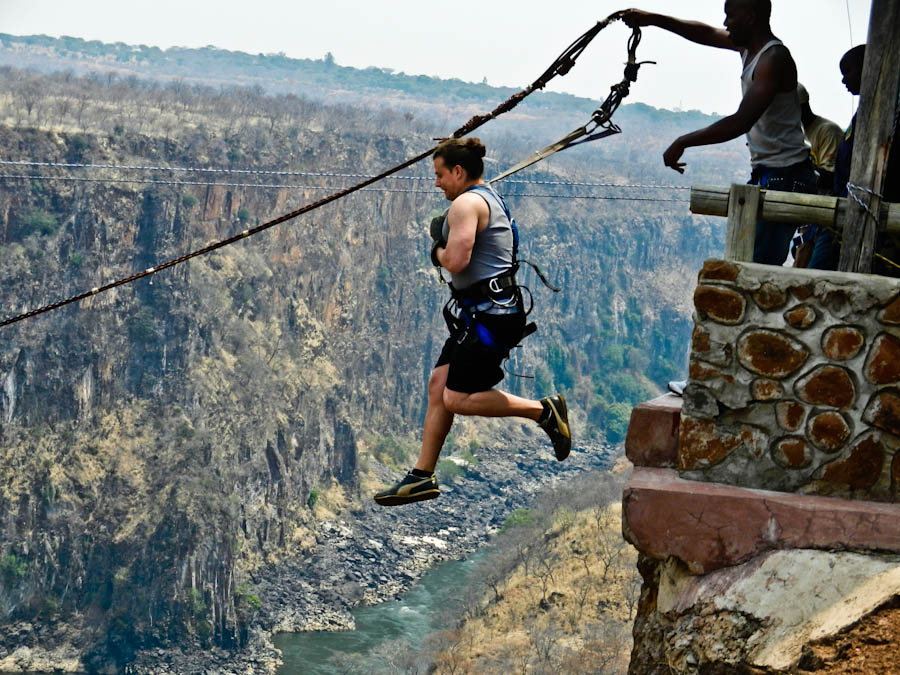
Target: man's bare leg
{"type": "Point", "coordinates": [438, 420]}
{"type": "Point", "coordinates": [492, 403]}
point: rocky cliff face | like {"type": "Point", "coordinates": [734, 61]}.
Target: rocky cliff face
{"type": "Point", "coordinates": [163, 438]}
{"type": "Point", "coordinates": [161, 441]}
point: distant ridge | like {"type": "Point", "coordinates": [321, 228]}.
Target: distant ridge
{"type": "Point", "coordinates": [320, 79]}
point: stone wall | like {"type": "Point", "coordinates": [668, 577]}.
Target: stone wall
{"type": "Point", "coordinates": [794, 382]}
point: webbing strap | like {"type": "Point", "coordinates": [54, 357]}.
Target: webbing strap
{"type": "Point", "coordinates": [600, 118]}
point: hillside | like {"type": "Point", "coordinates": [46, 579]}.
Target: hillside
{"type": "Point", "coordinates": [556, 594]}
{"type": "Point", "coordinates": [165, 445]}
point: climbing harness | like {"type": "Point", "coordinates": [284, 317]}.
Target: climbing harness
{"type": "Point", "coordinates": [600, 124]}
{"type": "Point", "coordinates": [560, 66]}
{"type": "Point", "coordinates": [462, 311]}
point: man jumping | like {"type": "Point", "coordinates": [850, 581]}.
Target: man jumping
{"type": "Point", "coordinates": [475, 243]}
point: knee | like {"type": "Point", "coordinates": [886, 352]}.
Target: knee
{"type": "Point", "coordinates": [455, 402]}
{"type": "Point", "coordinates": [436, 384]}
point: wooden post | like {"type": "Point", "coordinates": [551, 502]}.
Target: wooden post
{"type": "Point", "coordinates": [874, 126]}
{"type": "Point", "coordinates": [743, 208]}
{"type": "Point", "coordinates": [790, 208]}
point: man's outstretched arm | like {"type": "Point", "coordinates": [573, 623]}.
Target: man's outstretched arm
{"type": "Point", "coordinates": [701, 33]}
{"type": "Point", "coordinates": [758, 97]}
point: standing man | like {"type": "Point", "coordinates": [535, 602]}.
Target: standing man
{"type": "Point", "coordinates": [476, 243]}
{"type": "Point", "coordinates": [824, 138]}
{"type": "Point", "coordinates": [769, 113]}
{"type": "Point", "coordinates": [826, 254]}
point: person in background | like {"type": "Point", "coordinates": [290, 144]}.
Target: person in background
{"type": "Point", "coordinates": [826, 254]}
{"type": "Point", "coordinates": [769, 112]}
{"type": "Point", "coordinates": [824, 138]}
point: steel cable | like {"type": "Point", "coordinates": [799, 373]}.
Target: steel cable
{"type": "Point", "coordinates": [560, 66]}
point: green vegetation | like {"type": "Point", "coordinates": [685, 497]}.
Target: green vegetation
{"type": "Point", "coordinates": [38, 221]}
{"type": "Point", "coordinates": [313, 499]}
{"type": "Point", "coordinates": [448, 471]}
{"type": "Point", "coordinates": [246, 603]}
{"type": "Point", "coordinates": [243, 215]}
{"type": "Point", "coordinates": [13, 567]}
{"type": "Point", "coordinates": [392, 451]}
{"type": "Point", "coordinates": [143, 326]}
{"type": "Point", "coordinates": [518, 518]}
{"type": "Point", "coordinates": [469, 457]}
{"type": "Point", "coordinates": [189, 201]}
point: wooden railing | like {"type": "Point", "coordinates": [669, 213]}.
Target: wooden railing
{"type": "Point", "coordinates": [743, 204]}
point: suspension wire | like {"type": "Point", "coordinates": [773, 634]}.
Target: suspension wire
{"type": "Point", "coordinates": [315, 174]}
{"type": "Point", "coordinates": [283, 186]}
{"type": "Point", "coordinates": [329, 187]}
{"type": "Point", "coordinates": [562, 65]}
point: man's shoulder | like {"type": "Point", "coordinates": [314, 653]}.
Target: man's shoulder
{"type": "Point", "coordinates": [777, 53]}
{"type": "Point", "coordinates": [468, 202]}
{"type": "Point", "coordinates": [824, 126]}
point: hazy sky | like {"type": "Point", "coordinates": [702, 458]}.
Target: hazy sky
{"type": "Point", "coordinates": [509, 42]}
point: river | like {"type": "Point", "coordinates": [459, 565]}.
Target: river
{"type": "Point", "coordinates": [410, 619]}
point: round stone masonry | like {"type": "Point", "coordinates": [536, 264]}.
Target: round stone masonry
{"type": "Point", "coordinates": [790, 415]}
{"type": "Point", "coordinates": [770, 353]}
{"type": "Point", "coordinates": [895, 473]}
{"type": "Point", "coordinates": [769, 296]}
{"type": "Point", "coordinates": [700, 340]}
{"type": "Point", "coordinates": [722, 305]}
{"type": "Point", "coordinates": [862, 468]}
{"type": "Point", "coordinates": [828, 430]}
{"type": "Point", "coordinates": [801, 317]}
{"type": "Point", "coordinates": [883, 362]}
{"type": "Point", "coordinates": [883, 411]}
{"type": "Point", "coordinates": [719, 270]}
{"type": "Point", "coordinates": [842, 343]}
{"type": "Point", "coordinates": [890, 315]}
{"type": "Point", "coordinates": [792, 452]}
{"type": "Point", "coordinates": [764, 389]}
{"type": "Point", "coordinates": [828, 385]}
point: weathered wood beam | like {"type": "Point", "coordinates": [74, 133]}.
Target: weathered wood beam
{"type": "Point", "coordinates": [792, 208]}
{"type": "Point", "coordinates": [874, 126]}
{"type": "Point", "coordinates": [743, 209]}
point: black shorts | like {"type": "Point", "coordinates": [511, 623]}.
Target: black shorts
{"type": "Point", "coordinates": [474, 366]}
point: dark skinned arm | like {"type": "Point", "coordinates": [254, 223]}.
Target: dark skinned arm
{"type": "Point", "coordinates": [700, 33]}
{"type": "Point", "coordinates": [767, 81]}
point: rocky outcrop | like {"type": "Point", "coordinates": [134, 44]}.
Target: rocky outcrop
{"type": "Point", "coordinates": [757, 617]}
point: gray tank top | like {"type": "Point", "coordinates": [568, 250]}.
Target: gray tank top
{"type": "Point", "coordinates": [492, 251]}
{"type": "Point", "coordinates": [776, 140]}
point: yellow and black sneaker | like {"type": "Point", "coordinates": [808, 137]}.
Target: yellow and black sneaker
{"type": "Point", "coordinates": [411, 489]}
{"type": "Point", "coordinates": [555, 421]}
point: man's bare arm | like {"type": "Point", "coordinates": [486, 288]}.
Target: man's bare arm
{"type": "Point", "coordinates": [695, 31]}
{"type": "Point", "coordinates": [758, 97]}
{"type": "Point", "coordinates": [463, 221]}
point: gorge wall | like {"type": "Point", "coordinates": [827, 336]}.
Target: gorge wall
{"type": "Point", "coordinates": [162, 441]}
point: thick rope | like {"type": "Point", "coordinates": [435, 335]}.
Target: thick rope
{"type": "Point", "coordinates": [560, 66]}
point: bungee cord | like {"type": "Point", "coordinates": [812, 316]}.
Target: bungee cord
{"type": "Point", "coordinates": [560, 66]}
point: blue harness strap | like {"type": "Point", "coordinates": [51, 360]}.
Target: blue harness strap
{"type": "Point", "coordinates": [506, 212]}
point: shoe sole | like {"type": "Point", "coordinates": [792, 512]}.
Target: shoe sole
{"type": "Point", "coordinates": [563, 417]}
{"type": "Point", "coordinates": [396, 500]}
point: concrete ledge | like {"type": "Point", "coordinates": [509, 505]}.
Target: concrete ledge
{"type": "Point", "coordinates": [652, 437]}
{"type": "Point", "coordinates": [709, 526]}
